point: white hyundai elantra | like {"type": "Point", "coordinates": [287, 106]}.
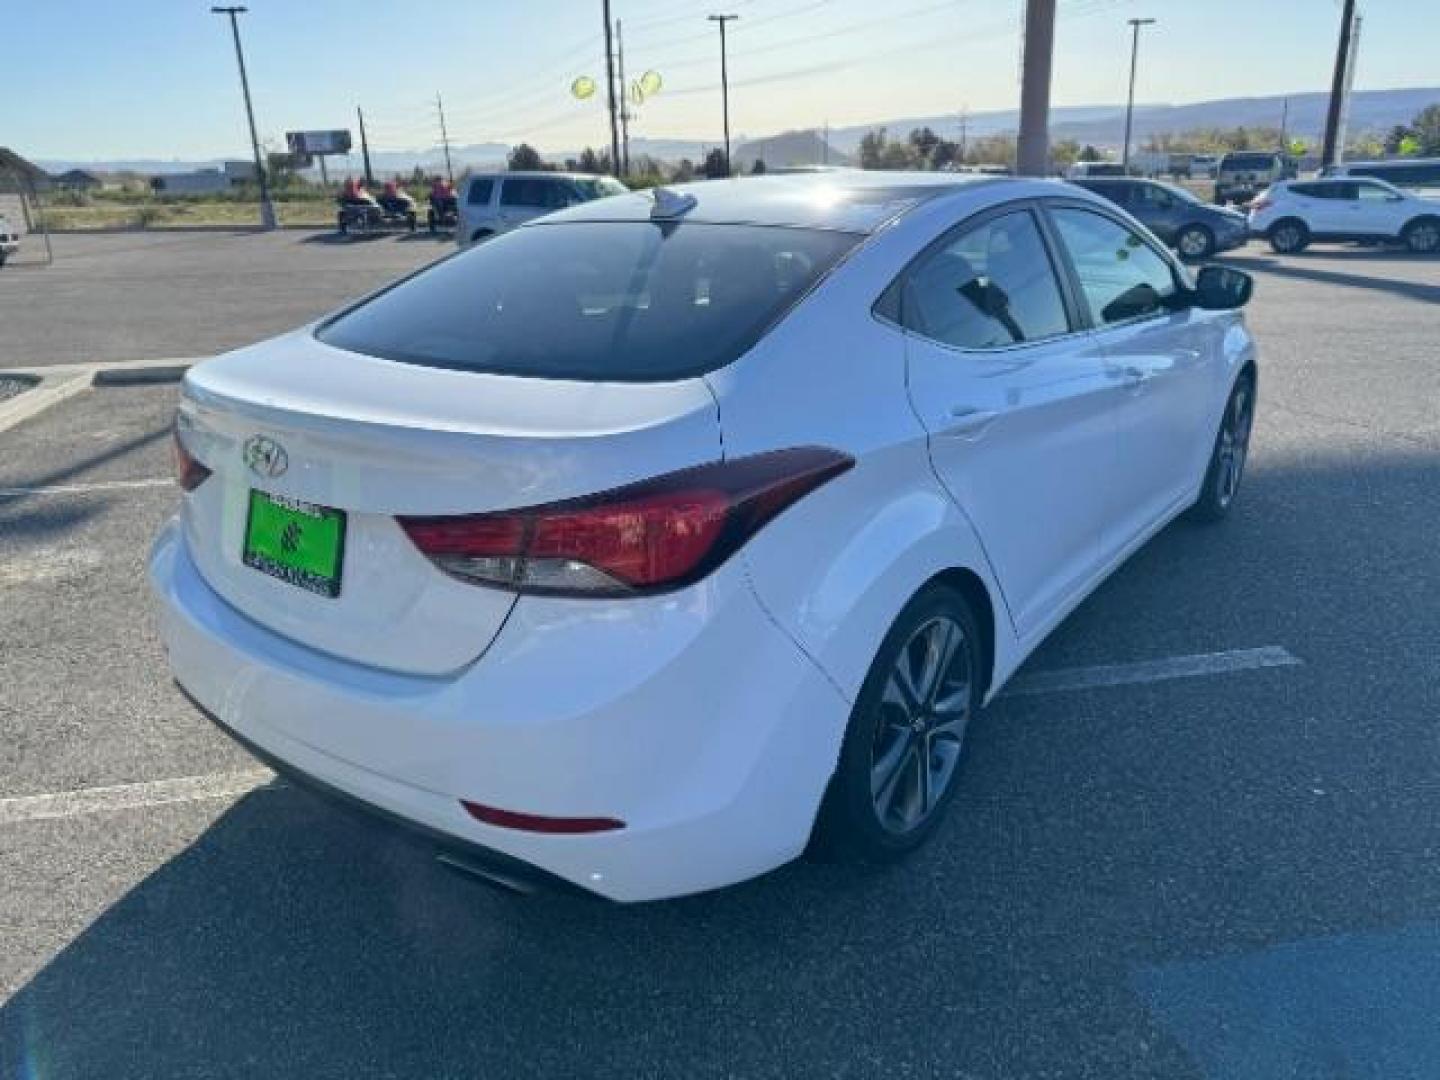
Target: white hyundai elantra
{"type": "Point", "coordinates": [645, 545]}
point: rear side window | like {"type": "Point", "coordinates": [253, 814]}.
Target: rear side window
{"type": "Point", "coordinates": [990, 287]}
{"type": "Point", "coordinates": [539, 192]}
{"type": "Point", "coordinates": [481, 188]}
{"type": "Point", "coordinates": [597, 301]}
{"type": "Point", "coordinates": [1121, 275]}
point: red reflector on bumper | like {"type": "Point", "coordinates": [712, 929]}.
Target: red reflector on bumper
{"type": "Point", "coordinates": [509, 819]}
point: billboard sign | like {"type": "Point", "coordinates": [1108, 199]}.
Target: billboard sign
{"type": "Point", "coordinates": [318, 142]}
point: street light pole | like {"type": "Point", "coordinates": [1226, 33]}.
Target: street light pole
{"type": "Point", "coordinates": [267, 208]}
{"type": "Point", "coordinates": [725, 86]}
{"type": "Point", "coordinates": [1135, 25]}
{"type": "Point", "coordinates": [1331, 151]}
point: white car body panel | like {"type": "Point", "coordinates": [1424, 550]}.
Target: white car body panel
{"type": "Point", "coordinates": [708, 718]}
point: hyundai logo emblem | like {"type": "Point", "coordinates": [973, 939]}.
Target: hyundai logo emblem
{"type": "Point", "coordinates": [265, 457]}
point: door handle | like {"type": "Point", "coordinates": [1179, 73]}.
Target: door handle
{"type": "Point", "coordinates": [966, 420]}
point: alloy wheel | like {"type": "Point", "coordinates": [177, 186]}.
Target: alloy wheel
{"type": "Point", "coordinates": [920, 729]}
{"type": "Point", "coordinates": [1287, 237]}
{"type": "Point", "coordinates": [1193, 243]}
{"type": "Point", "coordinates": [1424, 237]}
{"type": "Point", "coordinates": [1234, 445]}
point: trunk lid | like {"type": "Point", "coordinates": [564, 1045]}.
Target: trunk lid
{"type": "Point", "coordinates": [375, 438]}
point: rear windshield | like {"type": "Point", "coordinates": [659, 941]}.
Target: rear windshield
{"type": "Point", "coordinates": [600, 301]}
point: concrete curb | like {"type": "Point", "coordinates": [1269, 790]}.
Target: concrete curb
{"type": "Point", "coordinates": [140, 376]}
{"type": "Point", "coordinates": [63, 381]}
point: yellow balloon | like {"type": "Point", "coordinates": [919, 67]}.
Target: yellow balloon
{"type": "Point", "coordinates": [583, 87]}
{"type": "Point", "coordinates": [650, 83]}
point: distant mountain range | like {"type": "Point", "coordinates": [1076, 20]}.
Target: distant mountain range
{"type": "Point", "coordinates": [1101, 125]}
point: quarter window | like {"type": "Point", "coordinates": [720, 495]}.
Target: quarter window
{"type": "Point", "coordinates": [991, 286]}
{"type": "Point", "coordinates": [481, 189]}
{"type": "Point", "coordinates": [1121, 276]}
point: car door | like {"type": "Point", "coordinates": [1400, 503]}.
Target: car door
{"type": "Point", "coordinates": [1336, 208]}
{"type": "Point", "coordinates": [523, 198]}
{"type": "Point", "coordinates": [1160, 357]}
{"type": "Point", "coordinates": [1157, 210]}
{"type": "Point", "coordinates": [1383, 210]}
{"type": "Point", "coordinates": [1018, 405]}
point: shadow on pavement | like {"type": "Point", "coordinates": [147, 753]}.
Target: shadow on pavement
{"type": "Point", "coordinates": [1105, 848]}
{"type": "Point", "coordinates": [1296, 267]}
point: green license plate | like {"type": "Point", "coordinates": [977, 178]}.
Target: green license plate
{"type": "Point", "coordinates": [297, 542]}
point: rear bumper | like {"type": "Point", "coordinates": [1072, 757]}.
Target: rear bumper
{"type": "Point", "coordinates": [691, 718]}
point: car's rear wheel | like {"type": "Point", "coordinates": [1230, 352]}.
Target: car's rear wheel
{"type": "Point", "coordinates": [902, 751]}
{"type": "Point", "coordinates": [1195, 242]}
{"type": "Point", "coordinates": [479, 236]}
{"type": "Point", "coordinates": [1422, 236]}
{"type": "Point", "coordinates": [1289, 235]}
{"type": "Point", "coordinates": [1228, 457]}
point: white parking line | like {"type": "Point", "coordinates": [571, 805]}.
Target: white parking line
{"type": "Point", "coordinates": [1149, 671]}
{"type": "Point", "coordinates": [101, 800]}
{"type": "Point", "coordinates": [88, 489]}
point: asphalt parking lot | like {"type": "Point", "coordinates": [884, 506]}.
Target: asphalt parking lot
{"type": "Point", "coordinates": [1148, 872]}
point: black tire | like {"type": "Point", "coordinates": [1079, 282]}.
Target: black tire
{"type": "Point", "coordinates": [1195, 242]}
{"type": "Point", "coordinates": [479, 236]}
{"type": "Point", "coordinates": [412, 222]}
{"type": "Point", "coordinates": [1229, 454]}
{"type": "Point", "coordinates": [1289, 236]}
{"type": "Point", "coordinates": [924, 746]}
{"type": "Point", "coordinates": [342, 224]}
{"type": "Point", "coordinates": [1422, 236]}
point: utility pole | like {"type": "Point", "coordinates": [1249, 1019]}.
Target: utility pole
{"type": "Point", "coordinates": [1349, 85]}
{"type": "Point", "coordinates": [624, 105]}
{"type": "Point", "coordinates": [610, 90]}
{"type": "Point", "coordinates": [1284, 125]}
{"type": "Point", "coordinates": [964, 131]}
{"type": "Point", "coordinates": [267, 208]}
{"type": "Point", "coordinates": [725, 85]}
{"type": "Point", "coordinates": [1337, 86]}
{"type": "Point", "coordinates": [1135, 25]}
{"type": "Point", "coordinates": [444, 139]}
{"type": "Point", "coordinates": [825, 145]}
{"type": "Point", "coordinates": [1032, 153]}
{"type": "Point", "coordinates": [365, 148]}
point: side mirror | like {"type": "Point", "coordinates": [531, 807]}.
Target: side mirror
{"type": "Point", "coordinates": [1220, 288]}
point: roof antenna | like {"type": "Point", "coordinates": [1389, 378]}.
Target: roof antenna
{"type": "Point", "coordinates": [670, 204]}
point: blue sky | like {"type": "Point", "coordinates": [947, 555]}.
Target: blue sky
{"type": "Point", "coordinates": [95, 79]}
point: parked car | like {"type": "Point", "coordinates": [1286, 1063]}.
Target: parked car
{"type": "Point", "coordinates": [9, 239]}
{"type": "Point", "coordinates": [640, 546]}
{"type": "Point", "coordinates": [1242, 175]}
{"type": "Point", "coordinates": [1191, 226]}
{"type": "Point", "coordinates": [1094, 168]}
{"type": "Point", "coordinates": [1420, 175]}
{"type": "Point", "coordinates": [1204, 165]}
{"type": "Point", "coordinates": [493, 203]}
{"type": "Point", "coordinates": [1291, 215]}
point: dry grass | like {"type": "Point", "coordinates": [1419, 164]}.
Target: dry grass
{"type": "Point", "coordinates": [191, 212]}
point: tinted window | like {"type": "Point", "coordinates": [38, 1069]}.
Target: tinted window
{"type": "Point", "coordinates": [1121, 276]}
{"type": "Point", "coordinates": [1248, 161]}
{"type": "Point", "coordinates": [1374, 192]}
{"type": "Point", "coordinates": [1309, 191]}
{"type": "Point", "coordinates": [625, 301]}
{"type": "Point", "coordinates": [536, 192]}
{"type": "Point", "coordinates": [1154, 197]}
{"type": "Point", "coordinates": [481, 188]}
{"type": "Point", "coordinates": [991, 286]}
{"type": "Point", "coordinates": [1116, 193]}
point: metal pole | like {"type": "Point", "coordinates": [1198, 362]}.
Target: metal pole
{"type": "Point", "coordinates": [267, 208]}
{"type": "Point", "coordinates": [365, 148]}
{"type": "Point", "coordinates": [1032, 152]}
{"type": "Point", "coordinates": [1135, 25]}
{"type": "Point", "coordinates": [445, 139]}
{"type": "Point", "coordinates": [1337, 86]}
{"type": "Point", "coordinates": [1344, 127]}
{"type": "Point", "coordinates": [725, 86]}
{"type": "Point", "coordinates": [624, 104]}
{"type": "Point", "coordinates": [610, 89]}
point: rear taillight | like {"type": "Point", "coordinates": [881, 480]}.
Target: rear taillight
{"type": "Point", "coordinates": [189, 473]}
{"type": "Point", "coordinates": [1262, 202]}
{"type": "Point", "coordinates": [659, 534]}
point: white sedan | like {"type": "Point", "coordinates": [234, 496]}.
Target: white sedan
{"type": "Point", "coordinates": [650, 543]}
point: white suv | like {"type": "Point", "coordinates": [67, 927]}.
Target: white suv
{"type": "Point", "coordinates": [493, 203]}
{"type": "Point", "coordinates": [1291, 214]}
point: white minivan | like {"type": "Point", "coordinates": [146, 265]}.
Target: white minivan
{"type": "Point", "coordinates": [493, 203]}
